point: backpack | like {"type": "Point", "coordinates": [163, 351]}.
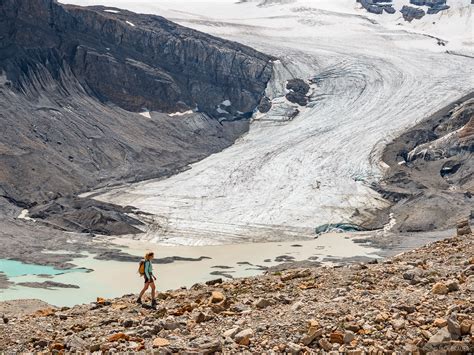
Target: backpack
{"type": "Point", "coordinates": [141, 267]}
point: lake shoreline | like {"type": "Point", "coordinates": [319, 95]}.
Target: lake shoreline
{"type": "Point", "coordinates": [201, 264]}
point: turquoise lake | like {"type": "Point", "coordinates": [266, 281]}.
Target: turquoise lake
{"type": "Point", "coordinates": [13, 268]}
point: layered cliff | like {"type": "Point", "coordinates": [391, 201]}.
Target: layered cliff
{"type": "Point", "coordinates": [73, 81]}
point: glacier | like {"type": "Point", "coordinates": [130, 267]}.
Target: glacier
{"type": "Point", "coordinates": [373, 77]}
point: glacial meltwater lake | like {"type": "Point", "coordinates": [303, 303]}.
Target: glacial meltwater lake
{"type": "Point", "coordinates": [115, 278]}
{"type": "Point", "coordinates": [14, 268]}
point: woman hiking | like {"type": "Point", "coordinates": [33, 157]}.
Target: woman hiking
{"type": "Point", "coordinates": [146, 270]}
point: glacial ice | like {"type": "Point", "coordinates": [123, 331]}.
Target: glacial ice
{"type": "Point", "coordinates": [375, 76]}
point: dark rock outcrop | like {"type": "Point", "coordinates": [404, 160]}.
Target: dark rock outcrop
{"type": "Point", "coordinates": [298, 89]}
{"type": "Point", "coordinates": [265, 105]}
{"type": "Point", "coordinates": [410, 13]}
{"type": "Point", "coordinates": [87, 216]}
{"type": "Point", "coordinates": [70, 77]}
{"type": "Point", "coordinates": [377, 6]}
{"type": "Point", "coordinates": [430, 180]}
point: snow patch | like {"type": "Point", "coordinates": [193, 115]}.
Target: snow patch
{"type": "Point", "coordinates": [146, 114]}
{"type": "Point", "coordinates": [180, 113]}
{"type": "Point", "coordinates": [112, 11]}
{"type": "Point", "coordinates": [24, 214]}
{"type": "Point", "coordinates": [391, 223]}
{"type": "Point", "coordinates": [131, 24]}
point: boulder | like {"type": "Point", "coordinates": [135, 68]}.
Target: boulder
{"type": "Point", "coordinates": [410, 13]}
{"type": "Point", "coordinates": [117, 337]}
{"type": "Point", "coordinates": [463, 227]}
{"type": "Point", "coordinates": [265, 105]}
{"type": "Point", "coordinates": [452, 285]}
{"type": "Point", "coordinates": [243, 337]}
{"type": "Point", "coordinates": [440, 323]}
{"type": "Point", "coordinates": [440, 337]}
{"type": "Point", "coordinates": [231, 332]}
{"type": "Point", "coordinates": [160, 342]}
{"type": "Point", "coordinates": [75, 343]}
{"type": "Point", "coordinates": [216, 297]}
{"type": "Point", "coordinates": [262, 303]}
{"type": "Point", "coordinates": [348, 337]}
{"type": "Point", "coordinates": [313, 334]}
{"type": "Point", "coordinates": [454, 328]}
{"type": "Point", "coordinates": [439, 288]}
{"type": "Point", "coordinates": [466, 327]}
{"type": "Point", "coordinates": [325, 344]}
{"type": "Point", "coordinates": [336, 337]}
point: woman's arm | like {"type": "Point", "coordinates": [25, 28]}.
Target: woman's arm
{"type": "Point", "coordinates": [148, 269]}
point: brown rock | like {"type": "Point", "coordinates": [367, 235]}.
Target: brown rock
{"type": "Point", "coordinates": [337, 337]}
{"type": "Point", "coordinates": [325, 344]}
{"type": "Point", "coordinates": [295, 274]}
{"type": "Point", "coordinates": [466, 325]}
{"type": "Point", "coordinates": [159, 342]}
{"type": "Point", "coordinates": [313, 333]}
{"type": "Point", "coordinates": [439, 288]}
{"type": "Point", "coordinates": [45, 312]}
{"type": "Point", "coordinates": [243, 337]}
{"type": "Point", "coordinates": [56, 346]}
{"type": "Point", "coordinates": [381, 317]}
{"type": "Point", "coordinates": [117, 336]}
{"type": "Point", "coordinates": [217, 297]}
{"type": "Point", "coordinates": [440, 322]}
{"type": "Point", "coordinates": [397, 324]}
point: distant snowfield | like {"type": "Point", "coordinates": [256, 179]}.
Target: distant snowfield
{"type": "Point", "coordinates": [375, 76]}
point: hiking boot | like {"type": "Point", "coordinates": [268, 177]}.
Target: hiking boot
{"type": "Point", "coordinates": [139, 300]}
{"type": "Point", "coordinates": [153, 303]}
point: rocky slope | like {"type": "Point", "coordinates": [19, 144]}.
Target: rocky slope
{"type": "Point", "coordinates": [417, 301]}
{"type": "Point", "coordinates": [431, 174]}
{"type": "Point", "coordinates": [71, 76]}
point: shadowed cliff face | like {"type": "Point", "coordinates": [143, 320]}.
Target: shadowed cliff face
{"type": "Point", "coordinates": [71, 77]}
{"type": "Point", "coordinates": [134, 61]}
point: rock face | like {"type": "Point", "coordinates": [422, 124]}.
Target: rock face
{"type": "Point", "coordinates": [134, 61]}
{"type": "Point", "coordinates": [409, 12]}
{"type": "Point", "coordinates": [70, 77]}
{"type": "Point", "coordinates": [380, 312]}
{"type": "Point", "coordinates": [298, 89]}
{"type": "Point", "coordinates": [431, 168]}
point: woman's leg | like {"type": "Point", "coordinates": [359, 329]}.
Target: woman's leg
{"type": "Point", "coordinates": [152, 284]}
{"type": "Point", "coordinates": [144, 290]}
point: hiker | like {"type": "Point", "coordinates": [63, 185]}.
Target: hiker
{"type": "Point", "coordinates": [146, 270]}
